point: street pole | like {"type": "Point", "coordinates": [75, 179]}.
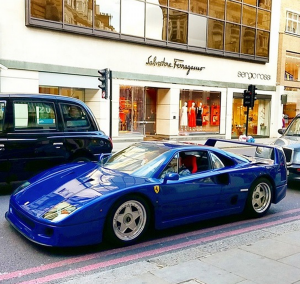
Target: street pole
{"type": "Point", "coordinates": [110, 104]}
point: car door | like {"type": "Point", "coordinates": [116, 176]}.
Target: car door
{"type": "Point", "coordinates": [34, 141]}
{"type": "Point", "coordinates": [191, 196]}
{"type": "Point", "coordinates": [4, 167]}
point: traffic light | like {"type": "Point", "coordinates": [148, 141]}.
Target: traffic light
{"type": "Point", "coordinates": [251, 89]}
{"type": "Point", "coordinates": [247, 99]}
{"type": "Point", "coordinates": [103, 78]}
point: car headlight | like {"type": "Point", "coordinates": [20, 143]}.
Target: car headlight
{"type": "Point", "coordinates": [59, 212]}
{"type": "Point", "coordinates": [21, 187]}
{"type": "Point", "coordinates": [296, 158]}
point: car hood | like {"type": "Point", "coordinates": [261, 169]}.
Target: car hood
{"type": "Point", "coordinates": [76, 184]}
{"type": "Point", "coordinates": [288, 141]}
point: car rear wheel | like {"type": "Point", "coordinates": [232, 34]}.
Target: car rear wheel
{"type": "Point", "coordinates": [127, 221]}
{"type": "Point", "coordinates": [259, 198]}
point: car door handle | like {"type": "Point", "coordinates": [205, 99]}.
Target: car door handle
{"type": "Point", "coordinates": [58, 143]}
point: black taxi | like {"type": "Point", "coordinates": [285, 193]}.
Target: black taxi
{"type": "Point", "coordinates": [38, 131]}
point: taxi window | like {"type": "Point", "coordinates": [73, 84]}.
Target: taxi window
{"type": "Point", "coordinates": [74, 116]}
{"type": "Point", "coordinates": [2, 113]}
{"type": "Point", "coordinates": [34, 115]}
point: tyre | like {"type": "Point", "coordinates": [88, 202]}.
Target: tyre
{"type": "Point", "coordinates": [127, 221]}
{"type": "Point", "coordinates": [259, 198]}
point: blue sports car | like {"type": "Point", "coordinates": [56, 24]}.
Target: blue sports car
{"type": "Point", "coordinates": [156, 184]}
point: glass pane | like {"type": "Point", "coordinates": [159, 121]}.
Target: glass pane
{"type": "Point", "coordinates": [177, 30]}
{"type": "Point", "coordinates": [232, 40]}
{"type": "Point", "coordinates": [249, 16]}
{"type": "Point", "coordinates": [107, 15]}
{"type": "Point", "coordinates": [78, 13]}
{"type": "Point", "coordinates": [48, 10]}
{"type": "Point", "coordinates": [132, 18]}
{"type": "Point", "coordinates": [159, 2]}
{"type": "Point", "coordinates": [215, 34]}
{"type": "Point", "coordinates": [262, 43]}
{"type": "Point", "coordinates": [198, 6]}
{"type": "Point", "coordinates": [155, 21]}
{"type": "Point", "coordinates": [233, 12]}
{"type": "Point", "coordinates": [265, 4]}
{"type": "Point", "coordinates": [248, 39]}
{"type": "Point", "coordinates": [263, 20]}
{"type": "Point", "coordinates": [217, 9]}
{"type": "Point", "coordinates": [197, 30]}
{"type": "Point", "coordinates": [181, 5]}
{"type": "Point", "coordinates": [251, 2]}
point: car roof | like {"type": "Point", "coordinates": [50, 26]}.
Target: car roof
{"type": "Point", "coordinates": [39, 96]}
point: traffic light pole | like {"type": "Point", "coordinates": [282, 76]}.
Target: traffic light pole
{"type": "Point", "coordinates": [110, 104]}
{"type": "Point", "coordinates": [247, 121]}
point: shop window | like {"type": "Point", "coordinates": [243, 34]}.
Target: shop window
{"type": "Point", "coordinates": [199, 112]}
{"type": "Point", "coordinates": [263, 20]}
{"type": "Point", "coordinates": [249, 16]}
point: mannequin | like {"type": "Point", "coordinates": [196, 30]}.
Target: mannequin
{"type": "Point", "coordinates": [184, 116]}
{"type": "Point", "coordinates": [192, 116]}
{"type": "Point", "coordinates": [199, 112]}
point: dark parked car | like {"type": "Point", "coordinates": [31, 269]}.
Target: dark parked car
{"type": "Point", "coordinates": [40, 131]}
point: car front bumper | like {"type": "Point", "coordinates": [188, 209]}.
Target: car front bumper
{"type": "Point", "coordinates": [52, 235]}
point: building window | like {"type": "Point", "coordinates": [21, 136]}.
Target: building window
{"type": "Point", "coordinates": [292, 65]}
{"type": "Point", "coordinates": [292, 23]}
{"type": "Point", "coordinates": [231, 27]}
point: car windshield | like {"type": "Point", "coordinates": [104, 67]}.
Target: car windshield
{"type": "Point", "coordinates": [141, 160]}
{"type": "Point", "coordinates": [294, 128]}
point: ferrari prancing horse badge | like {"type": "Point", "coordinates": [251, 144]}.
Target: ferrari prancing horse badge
{"type": "Point", "coordinates": [156, 188]}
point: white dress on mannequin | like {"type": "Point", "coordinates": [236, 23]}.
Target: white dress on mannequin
{"type": "Point", "coordinates": [184, 115]}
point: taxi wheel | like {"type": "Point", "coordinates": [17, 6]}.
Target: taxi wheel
{"type": "Point", "coordinates": [259, 198]}
{"type": "Point", "coordinates": [127, 221]}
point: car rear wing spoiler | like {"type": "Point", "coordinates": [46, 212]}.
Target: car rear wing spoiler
{"type": "Point", "coordinates": [212, 142]}
{"type": "Point", "coordinates": [264, 151]}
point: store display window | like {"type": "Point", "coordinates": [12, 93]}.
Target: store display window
{"type": "Point", "coordinates": [258, 118]}
{"type": "Point", "coordinates": [199, 112]}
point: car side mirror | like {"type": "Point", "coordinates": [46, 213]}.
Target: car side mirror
{"type": "Point", "coordinates": [171, 176]}
{"type": "Point", "coordinates": [103, 158]}
{"type": "Point", "coordinates": [281, 131]}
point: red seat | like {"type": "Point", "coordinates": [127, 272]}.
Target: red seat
{"type": "Point", "coordinates": [191, 163]}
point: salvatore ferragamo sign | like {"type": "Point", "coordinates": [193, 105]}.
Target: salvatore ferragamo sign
{"type": "Point", "coordinates": [176, 64]}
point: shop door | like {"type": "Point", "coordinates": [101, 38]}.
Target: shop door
{"type": "Point", "coordinates": [137, 111]}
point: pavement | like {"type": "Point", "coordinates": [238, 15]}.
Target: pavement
{"type": "Point", "coordinates": [270, 255]}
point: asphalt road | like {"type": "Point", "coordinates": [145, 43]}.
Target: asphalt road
{"type": "Point", "coordinates": [22, 261]}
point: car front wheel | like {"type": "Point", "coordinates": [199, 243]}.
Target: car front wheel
{"type": "Point", "coordinates": [127, 221]}
{"type": "Point", "coordinates": [259, 198]}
